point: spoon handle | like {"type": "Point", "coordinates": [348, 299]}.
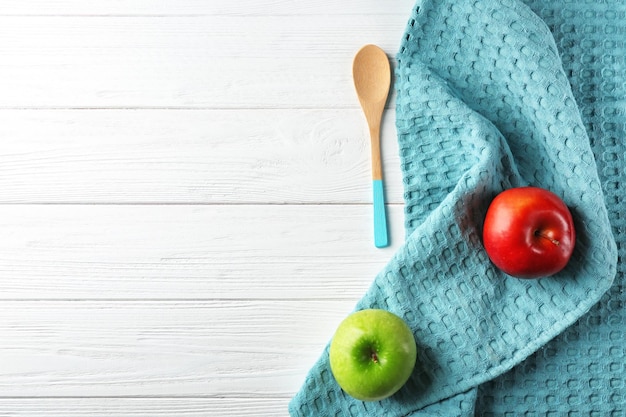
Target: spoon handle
{"type": "Point", "coordinates": [381, 238]}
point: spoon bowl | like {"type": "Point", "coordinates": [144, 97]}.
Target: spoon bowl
{"type": "Point", "coordinates": [372, 75]}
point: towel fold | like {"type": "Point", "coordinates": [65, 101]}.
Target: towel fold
{"type": "Point", "coordinates": [484, 104]}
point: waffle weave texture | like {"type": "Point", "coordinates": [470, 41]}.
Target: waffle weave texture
{"type": "Point", "coordinates": [493, 94]}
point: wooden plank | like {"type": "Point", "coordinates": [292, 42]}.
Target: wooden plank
{"type": "Point", "coordinates": [144, 407]}
{"type": "Point", "coordinates": [192, 156]}
{"type": "Point", "coordinates": [217, 349]}
{"type": "Point", "coordinates": [202, 7]}
{"type": "Point", "coordinates": [186, 62]}
{"type": "Point", "coordinates": [190, 252]}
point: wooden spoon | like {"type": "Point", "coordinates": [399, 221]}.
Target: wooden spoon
{"type": "Point", "coordinates": [372, 79]}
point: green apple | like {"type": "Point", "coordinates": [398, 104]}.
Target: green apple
{"type": "Point", "coordinates": [372, 354]}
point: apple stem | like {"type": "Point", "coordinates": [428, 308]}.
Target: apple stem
{"type": "Point", "coordinates": [540, 234]}
{"type": "Point", "coordinates": [374, 356]}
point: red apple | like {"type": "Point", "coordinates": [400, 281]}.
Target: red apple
{"type": "Point", "coordinates": [529, 232]}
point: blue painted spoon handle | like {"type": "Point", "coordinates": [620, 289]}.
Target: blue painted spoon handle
{"type": "Point", "coordinates": [381, 238]}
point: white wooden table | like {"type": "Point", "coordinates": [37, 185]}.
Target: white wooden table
{"type": "Point", "coordinates": [185, 200]}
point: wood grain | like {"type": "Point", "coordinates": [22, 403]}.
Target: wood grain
{"type": "Point", "coordinates": [62, 86]}
{"type": "Point", "coordinates": [143, 407]}
{"type": "Point", "coordinates": [234, 349]}
{"type": "Point", "coordinates": [192, 156]}
{"type": "Point", "coordinates": [190, 252]}
{"type": "Point", "coordinates": [165, 62]}
{"type": "Point", "coordinates": [202, 7]}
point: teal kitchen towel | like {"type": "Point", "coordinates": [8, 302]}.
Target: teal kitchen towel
{"type": "Point", "coordinates": [484, 103]}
